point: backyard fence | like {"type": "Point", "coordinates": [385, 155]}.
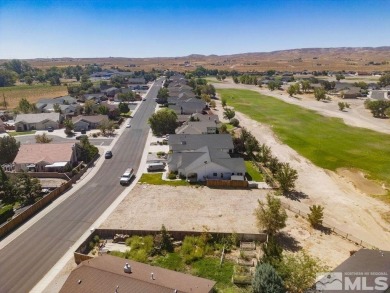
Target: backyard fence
{"type": "Point", "coordinates": [333, 229]}
{"type": "Point", "coordinates": [216, 183]}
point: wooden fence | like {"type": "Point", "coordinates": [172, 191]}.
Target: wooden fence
{"type": "Point", "coordinates": [216, 183]}
{"type": "Point", "coordinates": [39, 205]}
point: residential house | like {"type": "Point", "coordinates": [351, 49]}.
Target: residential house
{"type": "Point", "coordinates": [88, 122]}
{"type": "Point", "coordinates": [97, 98]}
{"type": "Point", "coordinates": [206, 163]}
{"type": "Point", "coordinates": [188, 108]}
{"type": "Point", "coordinates": [136, 80]}
{"type": "Point", "coordinates": [379, 95]}
{"type": "Point", "coordinates": [184, 142]}
{"type": "Point", "coordinates": [111, 92]}
{"type": "Point", "coordinates": [198, 127]}
{"type": "Point", "coordinates": [41, 121]}
{"type": "Point", "coordinates": [108, 273]}
{"type": "Point", "coordinates": [204, 156]}
{"type": "Point", "coordinates": [204, 117]}
{"type": "Point", "coordinates": [352, 93]}
{"type": "Point", "coordinates": [367, 270]}
{"type": "Point", "coordinates": [46, 157]}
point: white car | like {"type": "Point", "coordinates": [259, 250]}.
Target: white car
{"type": "Point", "coordinates": [128, 125]}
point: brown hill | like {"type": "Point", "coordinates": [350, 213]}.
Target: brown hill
{"type": "Point", "coordinates": [367, 59]}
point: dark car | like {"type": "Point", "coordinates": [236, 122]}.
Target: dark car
{"type": "Point", "coordinates": [81, 136]}
{"type": "Point", "coordinates": [83, 131]}
{"type": "Point", "coordinates": [50, 129]}
{"type": "Point", "coordinates": [108, 155]}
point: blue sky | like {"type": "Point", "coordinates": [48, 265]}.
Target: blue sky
{"type": "Point", "coordinates": [67, 28]}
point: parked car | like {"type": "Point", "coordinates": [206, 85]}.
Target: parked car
{"type": "Point", "coordinates": [128, 125]}
{"type": "Point", "coordinates": [108, 155]}
{"type": "Point", "coordinates": [50, 129]}
{"type": "Point", "coordinates": [156, 167]}
{"type": "Point", "coordinates": [144, 99]}
{"type": "Point", "coordinates": [83, 131]}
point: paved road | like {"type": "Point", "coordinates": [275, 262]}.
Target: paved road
{"type": "Point", "coordinates": [31, 255]}
{"type": "Point", "coordinates": [30, 139]}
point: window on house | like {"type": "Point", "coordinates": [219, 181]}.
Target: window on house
{"type": "Point", "coordinates": [214, 174]}
{"type": "Point", "coordinates": [240, 174]}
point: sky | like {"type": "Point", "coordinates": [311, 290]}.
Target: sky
{"type": "Point", "coordinates": [149, 28]}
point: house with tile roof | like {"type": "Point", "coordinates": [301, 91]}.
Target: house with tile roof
{"type": "Point", "coordinates": [45, 157]}
{"type": "Point", "coordinates": [108, 273]}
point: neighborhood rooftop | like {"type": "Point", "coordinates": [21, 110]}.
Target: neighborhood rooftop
{"type": "Point", "coordinates": [107, 274]}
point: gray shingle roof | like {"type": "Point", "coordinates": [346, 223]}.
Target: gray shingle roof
{"type": "Point", "coordinates": [180, 142]}
{"type": "Point", "coordinates": [379, 95]}
{"type": "Point", "coordinates": [36, 118]}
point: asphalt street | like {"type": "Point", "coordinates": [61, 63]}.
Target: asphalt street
{"type": "Point", "coordinates": [30, 256]}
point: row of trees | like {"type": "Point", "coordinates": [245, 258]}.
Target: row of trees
{"type": "Point", "coordinates": [378, 108]}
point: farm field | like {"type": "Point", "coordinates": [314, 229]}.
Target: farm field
{"type": "Point", "coordinates": [327, 142]}
{"type": "Point", "coordinates": [31, 92]}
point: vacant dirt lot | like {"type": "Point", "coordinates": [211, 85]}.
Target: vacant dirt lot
{"type": "Point", "coordinates": [188, 208]}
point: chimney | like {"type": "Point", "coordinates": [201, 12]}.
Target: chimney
{"type": "Point", "coordinates": [127, 268]}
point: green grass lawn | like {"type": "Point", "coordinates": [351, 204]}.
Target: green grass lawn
{"type": "Point", "coordinates": [254, 174]}
{"type": "Point", "coordinates": [327, 142]}
{"type": "Point", "coordinates": [16, 133]}
{"type": "Point", "coordinates": [212, 79]}
{"type": "Point", "coordinates": [156, 179]}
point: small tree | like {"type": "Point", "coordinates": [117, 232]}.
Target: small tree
{"type": "Point", "coordinates": [286, 176]}
{"type": "Point", "coordinates": [229, 113]}
{"type": "Point", "coordinates": [291, 90]}
{"type": "Point", "coordinates": [69, 126]}
{"type": "Point", "coordinates": [223, 128]}
{"type": "Point", "coordinates": [27, 189]}
{"type": "Point", "coordinates": [123, 107]}
{"type": "Point", "coordinates": [299, 270]}
{"type": "Point", "coordinates": [271, 216]}
{"type": "Point", "coordinates": [43, 138]}
{"type": "Point", "coordinates": [319, 94]}
{"type": "Point", "coordinates": [316, 215]}
{"type": "Point", "coordinates": [341, 106]}
{"type": "Point", "coordinates": [224, 102]}
{"type": "Point", "coordinates": [272, 252]}
{"type": "Point", "coordinates": [213, 104]}
{"type": "Point", "coordinates": [267, 280]}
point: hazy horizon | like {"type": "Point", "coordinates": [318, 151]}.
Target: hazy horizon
{"type": "Point", "coordinates": [166, 29]}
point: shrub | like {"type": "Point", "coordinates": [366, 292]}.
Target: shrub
{"type": "Point", "coordinates": [6, 212]}
{"type": "Point", "coordinates": [172, 176]}
{"type": "Point", "coordinates": [194, 248]}
{"type": "Point", "coordinates": [234, 122]}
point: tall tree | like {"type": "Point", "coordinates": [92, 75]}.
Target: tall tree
{"type": "Point", "coordinates": [43, 138]}
{"type": "Point", "coordinates": [27, 189]}
{"type": "Point", "coordinates": [123, 107]}
{"type": "Point", "coordinates": [89, 107]}
{"type": "Point", "coordinates": [25, 106]}
{"type": "Point", "coordinates": [9, 148]}
{"type": "Point", "coordinates": [271, 216]}
{"type": "Point", "coordinates": [163, 122]}
{"type": "Point", "coordinates": [286, 176]}
{"type": "Point", "coordinates": [6, 195]}
{"type": "Point", "coordinates": [7, 77]}
{"type": "Point", "coordinates": [69, 126]}
{"type": "Point", "coordinates": [162, 96]}
{"type": "Point", "coordinates": [267, 280]}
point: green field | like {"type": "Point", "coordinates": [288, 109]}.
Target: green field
{"type": "Point", "coordinates": [327, 142]}
{"type": "Point", "coordinates": [156, 179]}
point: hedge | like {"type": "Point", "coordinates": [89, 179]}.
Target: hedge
{"type": "Point", "coordinates": [6, 212]}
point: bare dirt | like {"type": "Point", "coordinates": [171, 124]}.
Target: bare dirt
{"type": "Point", "coordinates": [346, 207]}
{"type": "Point", "coordinates": [192, 209]}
